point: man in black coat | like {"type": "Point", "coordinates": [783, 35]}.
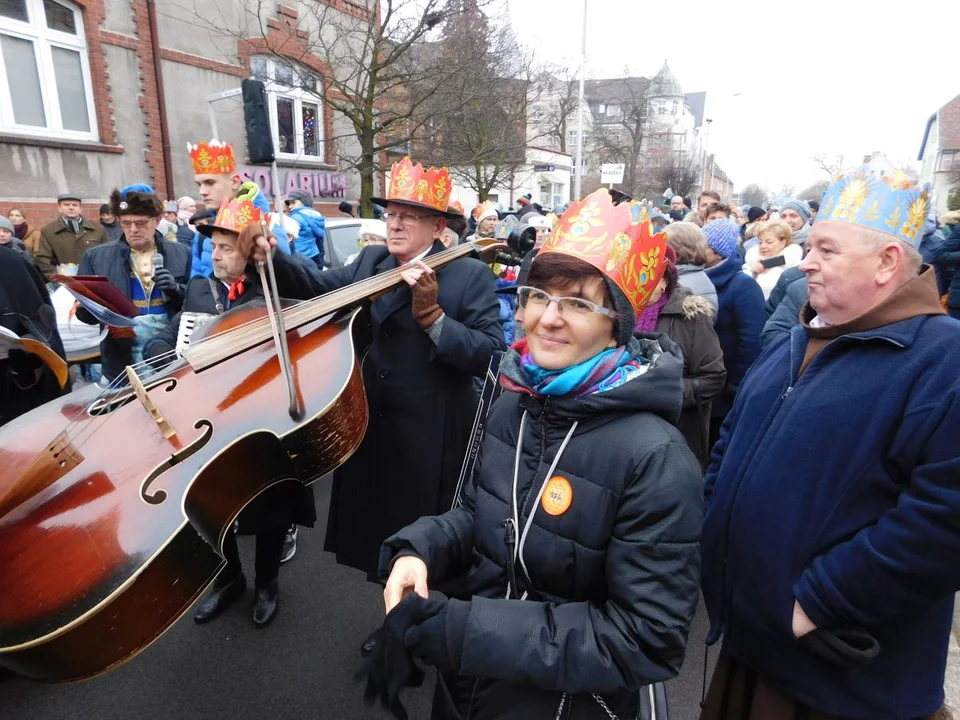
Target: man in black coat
{"type": "Point", "coordinates": [270, 514]}
{"type": "Point", "coordinates": [129, 265]}
{"type": "Point", "coordinates": [25, 309]}
{"type": "Point", "coordinates": [430, 337]}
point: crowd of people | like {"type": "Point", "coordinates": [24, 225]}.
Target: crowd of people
{"type": "Point", "coordinates": [761, 403]}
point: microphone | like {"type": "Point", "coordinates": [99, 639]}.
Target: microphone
{"type": "Point", "coordinates": [157, 261]}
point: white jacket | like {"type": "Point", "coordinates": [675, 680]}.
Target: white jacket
{"type": "Point", "coordinates": [768, 278]}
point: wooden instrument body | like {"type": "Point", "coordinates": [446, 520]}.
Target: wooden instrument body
{"type": "Point", "coordinates": [111, 552]}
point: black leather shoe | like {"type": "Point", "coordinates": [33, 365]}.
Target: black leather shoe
{"type": "Point", "coordinates": [265, 605]}
{"type": "Point", "coordinates": [219, 600]}
{"type": "Point", "coordinates": [369, 645]}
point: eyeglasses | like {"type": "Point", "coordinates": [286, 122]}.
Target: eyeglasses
{"type": "Point", "coordinates": [131, 224]}
{"type": "Point", "coordinates": [568, 306]}
{"type": "Point", "coordinates": [405, 218]}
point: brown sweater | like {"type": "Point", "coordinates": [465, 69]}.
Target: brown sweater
{"type": "Point", "coordinates": [917, 296]}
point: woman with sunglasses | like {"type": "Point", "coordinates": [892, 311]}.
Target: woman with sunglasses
{"type": "Point", "coordinates": [572, 564]}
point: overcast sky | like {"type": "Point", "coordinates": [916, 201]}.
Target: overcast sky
{"type": "Point", "coordinates": [814, 76]}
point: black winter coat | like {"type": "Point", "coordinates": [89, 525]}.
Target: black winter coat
{"type": "Point", "coordinates": [687, 319]}
{"type": "Point", "coordinates": [25, 308]}
{"type": "Point", "coordinates": [112, 261]}
{"type": "Point", "coordinates": [612, 581]}
{"type": "Point", "coordinates": [282, 505]}
{"type": "Point", "coordinates": [421, 398]}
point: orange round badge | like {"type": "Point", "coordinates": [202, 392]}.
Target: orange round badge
{"type": "Point", "coordinates": [557, 496]}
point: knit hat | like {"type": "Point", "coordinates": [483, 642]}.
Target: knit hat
{"type": "Point", "coordinates": [755, 213]}
{"type": "Point", "coordinates": [104, 209]}
{"type": "Point", "coordinates": [5, 224]}
{"type": "Point", "coordinates": [722, 236]}
{"type": "Point", "coordinates": [301, 196]}
{"type": "Point", "coordinates": [139, 199]}
{"type": "Point", "coordinates": [798, 206]}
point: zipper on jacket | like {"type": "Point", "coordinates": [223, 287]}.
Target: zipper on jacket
{"type": "Point", "coordinates": [510, 539]}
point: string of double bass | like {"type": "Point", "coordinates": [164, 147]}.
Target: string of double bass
{"type": "Point", "coordinates": [212, 350]}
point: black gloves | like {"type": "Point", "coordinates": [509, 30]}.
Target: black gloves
{"type": "Point", "coordinates": [437, 639]}
{"type": "Point", "coordinates": [164, 280]}
{"type": "Point", "coordinates": [432, 630]}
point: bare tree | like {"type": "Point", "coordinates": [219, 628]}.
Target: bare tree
{"type": "Point", "coordinates": [754, 195]}
{"type": "Point", "coordinates": [682, 173]}
{"type": "Point", "coordinates": [623, 141]}
{"type": "Point", "coordinates": [815, 191]}
{"type": "Point", "coordinates": [478, 123]}
{"type": "Point", "coordinates": [788, 190]}
{"type": "Point", "coordinates": [831, 166]}
{"type": "Point", "coordinates": [558, 104]}
{"type": "Point", "coordinates": [377, 71]}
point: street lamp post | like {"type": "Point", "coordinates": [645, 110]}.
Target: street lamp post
{"type": "Point", "coordinates": [577, 182]}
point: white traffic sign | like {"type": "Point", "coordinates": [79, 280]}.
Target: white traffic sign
{"type": "Point", "coordinates": [612, 173]}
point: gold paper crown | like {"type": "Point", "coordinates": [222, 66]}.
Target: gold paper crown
{"type": "Point", "coordinates": [617, 240]}
{"type": "Point", "coordinates": [213, 158]}
{"type": "Point", "coordinates": [235, 215]}
{"type": "Point", "coordinates": [410, 183]}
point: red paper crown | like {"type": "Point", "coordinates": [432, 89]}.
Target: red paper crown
{"type": "Point", "coordinates": [617, 240]}
{"type": "Point", "coordinates": [235, 215]}
{"type": "Point", "coordinates": [213, 158]}
{"type": "Point", "coordinates": [410, 183]}
{"type": "Point", "coordinates": [457, 206]}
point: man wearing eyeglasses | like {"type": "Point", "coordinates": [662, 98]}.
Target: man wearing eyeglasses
{"type": "Point", "coordinates": [430, 338]}
{"type": "Point", "coordinates": [149, 269]}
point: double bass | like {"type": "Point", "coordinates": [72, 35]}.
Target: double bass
{"type": "Point", "coordinates": [114, 504]}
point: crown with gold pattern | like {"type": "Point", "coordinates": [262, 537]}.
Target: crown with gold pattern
{"type": "Point", "coordinates": [618, 240]}
{"type": "Point", "coordinates": [890, 204]}
{"type": "Point", "coordinates": [233, 216]}
{"type": "Point", "coordinates": [212, 158]}
{"type": "Point", "coordinates": [412, 185]}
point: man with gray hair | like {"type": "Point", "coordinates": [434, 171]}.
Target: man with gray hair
{"type": "Point", "coordinates": [830, 539]}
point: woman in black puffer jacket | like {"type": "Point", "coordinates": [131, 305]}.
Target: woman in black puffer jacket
{"type": "Point", "coordinates": [572, 565]}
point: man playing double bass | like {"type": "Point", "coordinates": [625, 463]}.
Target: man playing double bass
{"type": "Point", "coordinates": [273, 512]}
{"type": "Point", "coordinates": [429, 339]}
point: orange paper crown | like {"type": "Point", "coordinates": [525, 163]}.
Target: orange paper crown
{"type": "Point", "coordinates": [616, 240]}
{"type": "Point", "coordinates": [410, 183]}
{"type": "Point", "coordinates": [213, 158]}
{"type": "Point", "coordinates": [235, 215]}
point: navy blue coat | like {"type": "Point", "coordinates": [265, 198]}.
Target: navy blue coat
{"type": "Point", "coordinates": [739, 323]}
{"type": "Point", "coordinates": [784, 304]}
{"type": "Point", "coordinates": [947, 257]}
{"type": "Point", "coordinates": [839, 489]}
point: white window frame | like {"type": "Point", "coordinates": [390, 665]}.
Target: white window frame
{"type": "Point", "coordinates": [299, 96]}
{"type": "Point", "coordinates": [948, 160]}
{"type": "Point", "coordinates": [43, 39]}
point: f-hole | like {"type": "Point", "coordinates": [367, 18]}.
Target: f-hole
{"type": "Point", "coordinates": [156, 497]}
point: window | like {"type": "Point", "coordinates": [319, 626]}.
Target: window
{"type": "Point", "coordinates": [45, 86]}
{"type": "Point", "coordinates": [573, 138]}
{"type": "Point", "coordinates": [296, 109]}
{"type": "Point", "coordinates": [613, 111]}
{"type": "Point", "coordinates": [949, 160]}
{"type": "Point", "coordinates": [602, 109]}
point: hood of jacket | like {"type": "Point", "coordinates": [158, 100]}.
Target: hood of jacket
{"type": "Point", "coordinates": [683, 302]}
{"type": "Point", "coordinates": [658, 390]}
{"type": "Point", "coordinates": [720, 275]}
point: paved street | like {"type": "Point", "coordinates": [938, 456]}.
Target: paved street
{"type": "Point", "coordinates": [300, 667]}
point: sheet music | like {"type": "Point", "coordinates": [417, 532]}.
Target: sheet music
{"type": "Point", "coordinates": [102, 314]}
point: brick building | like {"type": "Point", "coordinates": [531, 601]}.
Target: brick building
{"type": "Point", "coordinates": [81, 85]}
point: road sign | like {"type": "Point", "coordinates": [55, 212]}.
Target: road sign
{"type": "Point", "coordinates": [544, 168]}
{"type": "Point", "coordinates": [612, 173]}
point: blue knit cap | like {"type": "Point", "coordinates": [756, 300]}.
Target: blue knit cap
{"type": "Point", "coordinates": [799, 207]}
{"type": "Point", "coordinates": [136, 187]}
{"type": "Point", "coordinates": [722, 236]}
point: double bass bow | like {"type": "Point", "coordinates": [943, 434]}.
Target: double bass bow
{"type": "Point", "coordinates": [114, 503]}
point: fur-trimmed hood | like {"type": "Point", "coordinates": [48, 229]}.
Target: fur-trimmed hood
{"type": "Point", "coordinates": [683, 302]}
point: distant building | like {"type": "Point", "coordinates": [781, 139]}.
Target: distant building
{"type": "Point", "coordinates": [940, 152]}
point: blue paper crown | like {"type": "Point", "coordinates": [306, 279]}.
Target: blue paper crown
{"type": "Point", "coordinates": [890, 204]}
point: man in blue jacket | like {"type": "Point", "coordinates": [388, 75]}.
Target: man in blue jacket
{"type": "Point", "coordinates": [310, 239]}
{"type": "Point", "coordinates": [215, 172]}
{"type": "Point", "coordinates": [830, 540]}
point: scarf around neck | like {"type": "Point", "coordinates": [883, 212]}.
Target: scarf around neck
{"type": "Point", "coordinates": [647, 322]}
{"type": "Point", "coordinates": [20, 231]}
{"type": "Point", "coordinates": [603, 372]}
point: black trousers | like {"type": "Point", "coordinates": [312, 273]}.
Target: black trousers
{"type": "Point", "coordinates": [266, 559]}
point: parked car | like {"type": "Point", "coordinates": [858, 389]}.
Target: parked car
{"type": "Point", "coordinates": [342, 240]}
